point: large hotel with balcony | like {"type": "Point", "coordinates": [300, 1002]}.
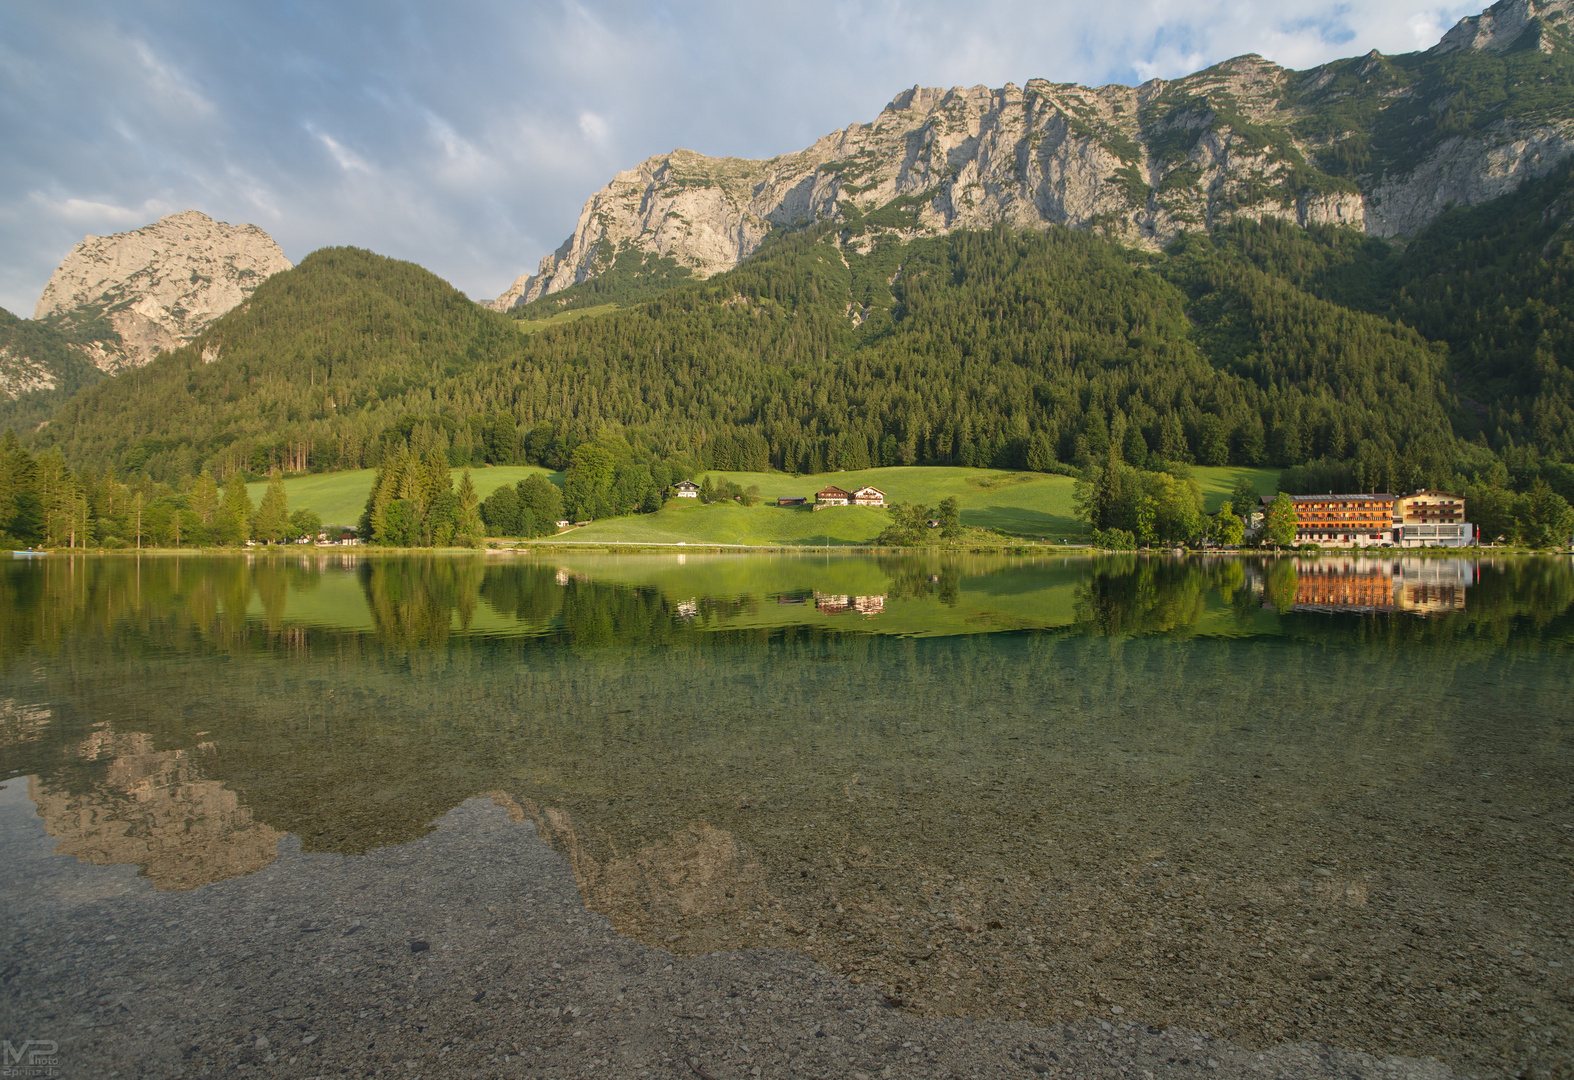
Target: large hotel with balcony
{"type": "Point", "coordinates": [1424, 519]}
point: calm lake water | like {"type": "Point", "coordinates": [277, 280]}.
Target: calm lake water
{"type": "Point", "coordinates": [1269, 800]}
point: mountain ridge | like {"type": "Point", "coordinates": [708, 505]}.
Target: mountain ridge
{"type": "Point", "coordinates": [1141, 165]}
{"type": "Point", "coordinates": [159, 286]}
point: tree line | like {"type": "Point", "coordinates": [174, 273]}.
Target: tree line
{"type": "Point", "coordinates": [45, 503]}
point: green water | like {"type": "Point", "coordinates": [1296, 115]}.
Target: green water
{"type": "Point", "coordinates": [1268, 800]}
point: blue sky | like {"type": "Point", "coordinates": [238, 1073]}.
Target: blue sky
{"type": "Point", "coordinates": [465, 135]}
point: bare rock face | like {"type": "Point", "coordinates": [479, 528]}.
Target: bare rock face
{"type": "Point", "coordinates": [159, 286]}
{"type": "Point", "coordinates": [22, 374]}
{"type": "Point", "coordinates": [1139, 164]}
{"type": "Point", "coordinates": [1500, 27]}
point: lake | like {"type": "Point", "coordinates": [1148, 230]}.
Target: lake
{"type": "Point", "coordinates": [1269, 800]}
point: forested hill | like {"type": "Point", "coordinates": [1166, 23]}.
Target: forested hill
{"type": "Point", "coordinates": [42, 363]}
{"type": "Point", "coordinates": [840, 346]}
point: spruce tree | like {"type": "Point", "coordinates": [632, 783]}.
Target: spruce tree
{"type": "Point", "coordinates": [205, 497]}
{"type": "Point", "coordinates": [235, 515]}
{"type": "Point", "coordinates": [273, 516]}
{"type": "Point", "coordinates": [467, 530]}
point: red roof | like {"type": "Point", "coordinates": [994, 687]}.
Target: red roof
{"type": "Point", "coordinates": [832, 493]}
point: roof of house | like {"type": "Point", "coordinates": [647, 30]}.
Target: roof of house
{"type": "Point", "coordinates": [832, 493]}
{"type": "Point", "coordinates": [1268, 499]}
{"type": "Point", "coordinates": [685, 484]}
{"type": "Point", "coordinates": [1437, 494]}
{"type": "Point", "coordinates": [869, 490]}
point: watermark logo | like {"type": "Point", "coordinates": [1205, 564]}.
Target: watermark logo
{"type": "Point", "coordinates": [30, 1057]}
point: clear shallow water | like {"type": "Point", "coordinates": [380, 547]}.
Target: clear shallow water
{"type": "Point", "coordinates": [1267, 800]}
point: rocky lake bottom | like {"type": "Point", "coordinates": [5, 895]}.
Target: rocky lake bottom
{"type": "Point", "coordinates": [1001, 818]}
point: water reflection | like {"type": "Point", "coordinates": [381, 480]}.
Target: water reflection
{"type": "Point", "coordinates": [1249, 796]}
{"type": "Point", "coordinates": [156, 810]}
{"type": "Point", "coordinates": [1416, 586]}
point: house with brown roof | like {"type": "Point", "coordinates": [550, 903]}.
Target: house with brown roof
{"type": "Point", "coordinates": [868, 496]}
{"type": "Point", "coordinates": [1349, 520]}
{"type": "Point", "coordinates": [832, 496]}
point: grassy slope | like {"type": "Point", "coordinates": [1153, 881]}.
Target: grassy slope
{"type": "Point", "coordinates": [532, 326]}
{"type": "Point", "coordinates": [1023, 504]}
{"type": "Point", "coordinates": [338, 498]}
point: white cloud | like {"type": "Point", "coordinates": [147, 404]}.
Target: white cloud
{"type": "Point", "coordinates": [169, 84]}
{"type": "Point", "coordinates": [1167, 65]}
{"type": "Point", "coordinates": [93, 213]}
{"type": "Point", "coordinates": [347, 160]}
{"type": "Point", "coordinates": [462, 163]}
{"type": "Point", "coordinates": [594, 128]}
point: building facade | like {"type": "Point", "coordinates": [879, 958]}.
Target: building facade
{"type": "Point", "coordinates": [832, 496]}
{"type": "Point", "coordinates": [686, 489]}
{"type": "Point", "coordinates": [868, 496]}
{"type": "Point", "coordinates": [1423, 519]}
{"type": "Point", "coordinates": [1344, 520]}
{"type": "Point", "coordinates": [1432, 519]}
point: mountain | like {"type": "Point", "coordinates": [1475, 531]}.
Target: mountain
{"type": "Point", "coordinates": [156, 288]}
{"type": "Point", "coordinates": [888, 333]}
{"type": "Point", "coordinates": [1379, 144]}
{"type": "Point", "coordinates": [1004, 348]}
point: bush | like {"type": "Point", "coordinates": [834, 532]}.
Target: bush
{"type": "Point", "coordinates": [1114, 539]}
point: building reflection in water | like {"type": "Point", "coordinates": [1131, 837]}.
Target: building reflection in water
{"type": "Point", "coordinates": [841, 604]}
{"type": "Point", "coordinates": [1366, 584]}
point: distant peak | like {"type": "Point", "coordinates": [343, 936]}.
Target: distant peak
{"type": "Point", "coordinates": [1505, 24]}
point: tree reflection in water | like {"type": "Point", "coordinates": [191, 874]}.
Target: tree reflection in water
{"type": "Point", "coordinates": [1060, 812]}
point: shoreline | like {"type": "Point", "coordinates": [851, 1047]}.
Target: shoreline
{"type": "Point", "coordinates": [505, 546]}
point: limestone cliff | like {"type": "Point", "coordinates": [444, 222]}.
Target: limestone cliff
{"type": "Point", "coordinates": [158, 287]}
{"type": "Point", "coordinates": [1356, 142]}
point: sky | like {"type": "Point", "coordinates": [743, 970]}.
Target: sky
{"type": "Point", "coordinates": [465, 135]}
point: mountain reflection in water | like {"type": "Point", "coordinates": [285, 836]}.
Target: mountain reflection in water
{"type": "Point", "coordinates": [1255, 797]}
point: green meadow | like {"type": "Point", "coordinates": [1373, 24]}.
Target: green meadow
{"type": "Point", "coordinates": [535, 326]}
{"type": "Point", "coordinates": [338, 498]}
{"type": "Point", "coordinates": [1026, 504]}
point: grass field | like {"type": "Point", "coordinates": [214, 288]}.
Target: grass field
{"type": "Point", "coordinates": [339, 498]}
{"type": "Point", "coordinates": [534, 326]}
{"type": "Point", "coordinates": [1024, 504]}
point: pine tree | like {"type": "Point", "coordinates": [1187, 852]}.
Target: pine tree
{"type": "Point", "coordinates": [235, 516]}
{"type": "Point", "coordinates": [205, 498]}
{"type": "Point", "coordinates": [273, 516]}
{"type": "Point", "coordinates": [434, 497]}
{"type": "Point", "coordinates": [467, 529]}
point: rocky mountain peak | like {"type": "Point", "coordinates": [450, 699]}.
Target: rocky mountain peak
{"type": "Point", "coordinates": [1141, 165]}
{"type": "Point", "coordinates": [1511, 24]}
{"type": "Point", "coordinates": [160, 286]}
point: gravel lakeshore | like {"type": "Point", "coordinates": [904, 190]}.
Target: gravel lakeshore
{"type": "Point", "coordinates": [470, 952]}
